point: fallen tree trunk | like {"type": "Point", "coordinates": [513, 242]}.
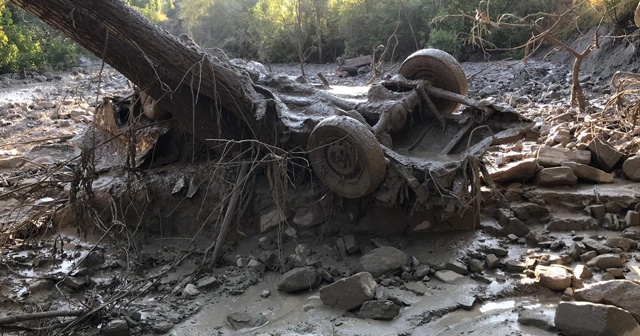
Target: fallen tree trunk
{"type": "Point", "coordinates": [210, 97]}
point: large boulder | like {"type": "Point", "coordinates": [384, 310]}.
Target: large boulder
{"type": "Point", "coordinates": [608, 260]}
{"type": "Point", "coordinates": [591, 319]}
{"type": "Point", "coordinates": [379, 310]}
{"type": "Point", "coordinates": [383, 261]}
{"type": "Point", "coordinates": [297, 279]}
{"type": "Point", "coordinates": [349, 293]}
{"type": "Point", "coordinates": [520, 171]}
{"type": "Point", "coordinates": [589, 173]}
{"type": "Point", "coordinates": [243, 320]}
{"type": "Point", "coordinates": [624, 294]}
{"type": "Point", "coordinates": [553, 157]}
{"type": "Point", "coordinates": [556, 176]}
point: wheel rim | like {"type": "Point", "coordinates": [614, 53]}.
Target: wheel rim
{"type": "Point", "coordinates": [342, 158]}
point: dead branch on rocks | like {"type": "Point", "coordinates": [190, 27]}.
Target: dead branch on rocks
{"type": "Point", "coordinates": [41, 315]}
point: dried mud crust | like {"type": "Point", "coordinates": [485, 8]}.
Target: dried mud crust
{"type": "Point", "coordinates": [346, 156]}
{"type": "Point", "coordinates": [441, 69]}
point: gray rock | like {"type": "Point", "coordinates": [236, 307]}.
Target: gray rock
{"type": "Point", "coordinates": [632, 218]}
{"type": "Point", "coordinates": [604, 154]}
{"type": "Point", "coordinates": [541, 318]}
{"type": "Point", "coordinates": [75, 282]}
{"type": "Point", "coordinates": [297, 279]}
{"type": "Point", "coordinates": [309, 216]}
{"type": "Point", "coordinates": [190, 290]}
{"type": "Point", "coordinates": [582, 272]}
{"type": "Point", "coordinates": [448, 276]}
{"type": "Point", "coordinates": [529, 212]}
{"type": "Point", "coordinates": [422, 271]}
{"type": "Point", "coordinates": [605, 261]}
{"type": "Point", "coordinates": [552, 277]}
{"type": "Point", "coordinates": [589, 173]}
{"type": "Point", "coordinates": [553, 157]}
{"type": "Point", "coordinates": [271, 219]}
{"type": "Point", "coordinates": [520, 171]}
{"type": "Point", "coordinates": [475, 266]}
{"type": "Point", "coordinates": [491, 261]}
{"type": "Point", "coordinates": [619, 242]}
{"type": "Point", "coordinates": [350, 244]}
{"type": "Point", "coordinates": [41, 285]}
{"type": "Point", "coordinates": [457, 266]}
{"type": "Point", "coordinates": [585, 257]}
{"type": "Point", "coordinates": [515, 266]}
{"type": "Point", "coordinates": [116, 328]}
{"type": "Point", "coordinates": [631, 168]}
{"type": "Point", "coordinates": [556, 176]}
{"type": "Point", "coordinates": [533, 238]}
{"type": "Point", "coordinates": [597, 211]}
{"type": "Point", "coordinates": [265, 293]}
{"type": "Point", "coordinates": [256, 265]}
{"type": "Point", "coordinates": [573, 223]}
{"type": "Point", "coordinates": [584, 318]}
{"type": "Point", "coordinates": [379, 310]}
{"type": "Point", "coordinates": [624, 294]}
{"type": "Point", "coordinates": [209, 282]}
{"type": "Point", "coordinates": [243, 320]}
{"type": "Point", "coordinates": [417, 289]}
{"type": "Point", "coordinates": [162, 327]}
{"type": "Point", "coordinates": [349, 293]}
{"type": "Point", "coordinates": [12, 162]}
{"type": "Point", "coordinates": [516, 227]}
{"type": "Point", "coordinates": [384, 260]}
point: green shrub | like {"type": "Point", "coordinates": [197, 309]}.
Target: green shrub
{"type": "Point", "coordinates": [445, 40]}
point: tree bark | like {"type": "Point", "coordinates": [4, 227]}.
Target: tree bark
{"type": "Point", "coordinates": [211, 98]}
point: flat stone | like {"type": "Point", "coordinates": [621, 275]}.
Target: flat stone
{"type": "Point", "coordinates": [271, 219]}
{"type": "Point", "coordinates": [12, 162]}
{"type": "Point", "coordinates": [209, 282]}
{"type": "Point", "coordinates": [379, 310]}
{"type": "Point", "coordinates": [529, 212]}
{"type": "Point", "coordinates": [448, 276]}
{"type": "Point", "coordinates": [520, 171]}
{"type": "Point", "coordinates": [597, 211]}
{"type": "Point", "coordinates": [116, 328]}
{"type": "Point", "coordinates": [553, 157]}
{"type": "Point", "coordinates": [162, 327]}
{"type": "Point", "coordinates": [190, 290]}
{"type": "Point", "coordinates": [575, 223]}
{"type": "Point", "coordinates": [588, 173]}
{"type": "Point", "coordinates": [539, 317]}
{"type": "Point", "coordinates": [556, 176]}
{"type": "Point", "coordinates": [604, 154]}
{"type": "Point", "coordinates": [619, 242]}
{"type": "Point", "coordinates": [384, 260]}
{"type": "Point", "coordinates": [417, 288]}
{"type": "Point", "coordinates": [632, 233]}
{"type": "Point", "coordinates": [631, 168]}
{"type": "Point", "coordinates": [309, 216]}
{"type": "Point", "coordinates": [624, 294]}
{"type": "Point", "coordinates": [349, 293]}
{"type": "Point", "coordinates": [457, 266]}
{"type": "Point", "coordinates": [515, 266]}
{"type": "Point", "coordinates": [605, 261]}
{"type": "Point", "coordinates": [554, 278]}
{"type": "Point", "coordinates": [585, 318]}
{"type": "Point", "coordinates": [297, 279]}
{"type": "Point", "coordinates": [585, 257]}
{"type": "Point", "coordinates": [243, 320]}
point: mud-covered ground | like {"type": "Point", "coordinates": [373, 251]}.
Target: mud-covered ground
{"type": "Point", "coordinates": [478, 282]}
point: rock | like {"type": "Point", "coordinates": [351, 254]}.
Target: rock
{"type": "Point", "coordinates": [256, 265]}
{"type": "Point", "coordinates": [379, 310]}
{"type": "Point", "coordinates": [417, 288]}
{"type": "Point", "coordinates": [116, 328]}
{"type": "Point", "coordinates": [350, 244]}
{"type": "Point", "coordinates": [515, 266]}
{"type": "Point", "coordinates": [422, 271]}
{"type": "Point", "coordinates": [40, 78]}
{"type": "Point", "coordinates": [475, 266]}
{"type": "Point", "coordinates": [48, 75]}
{"type": "Point", "coordinates": [448, 276]}
{"type": "Point", "coordinates": [624, 294]}
{"type": "Point", "coordinates": [533, 238]}
{"type": "Point", "coordinates": [349, 293]}
{"type": "Point", "coordinates": [556, 176]}
{"type": "Point", "coordinates": [529, 212]}
{"type": "Point", "coordinates": [491, 261]}
{"type": "Point", "coordinates": [632, 218]}
{"type": "Point", "coordinates": [75, 282]}
{"type": "Point", "coordinates": [617, 273]}
{"type": "Point", "coordinates": [605, 261]}
{"type": "Point", "coordinates": [12, 162]}
{"type": "Point", "coordinates": [457, 266]}
{"type": "Point", "coordinates": [497, 250]}
{"type": "Point", "coordinates": [597, 211]}
{"type": "Point", "coordinates": [243, 320]}
{"type": "Point", "coordinates": [585, 257]}
{"type": "Point", "coordinates": [552, 277]}
{"type": "Point", "coordinates": [619, 242]}
{"type": "Point", "coordinates": [576, 250]}
{"type": "Point", "coordinates": [65, 123]}
{"type": "Point", "coordinates": [632, 233]}
{"type": "Point", "coordinates": [631, 168]}
{"type": "Point", "coordinates": [342, 248]}
{"type": "Point", "coordinates": [540, 317]}
{"type": "Point", "coordinates": [582, 272]}
{"type": "Point", "coordinates": [265, 293]}
{"type": "Point", "coordinates": [520, 171]}
{"type": "Point", "coordinates": [573, 223]}
{"type": "Point", "coordinates": [384, 260]}
{"type": "Point", "coordinates": [611, 222]}
{"type": "Point", "coordinates": [584, 318]}
{"type": "Point", "coordinates": [271, 219]}
{"type": "Point", "coordinates": [553, 157]}
{"type": "Point", "coordinates": [297, 279]}
{"type": "Point", "coordinates": [190, 290]}
{"type": "Point", "coordinates": [41, 285]}
{"type": "Point", "coordinates": [604, 154]}
{"type": "Point", "coordinates": [309, 216]}
{"type": "Point", "coordinates": [162, 327]}
{"type": "Point", "coordinates": [48, 104]}
{"type": "Point", "coordinates": [589, 173]}
{"type": "Point", "coordinates": [268, 258]}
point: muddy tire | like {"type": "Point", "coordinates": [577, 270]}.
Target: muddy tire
{"type": "Point", "coordinates": [441, 69]}
{"type": "Point", "coordinates": [346, 156]}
